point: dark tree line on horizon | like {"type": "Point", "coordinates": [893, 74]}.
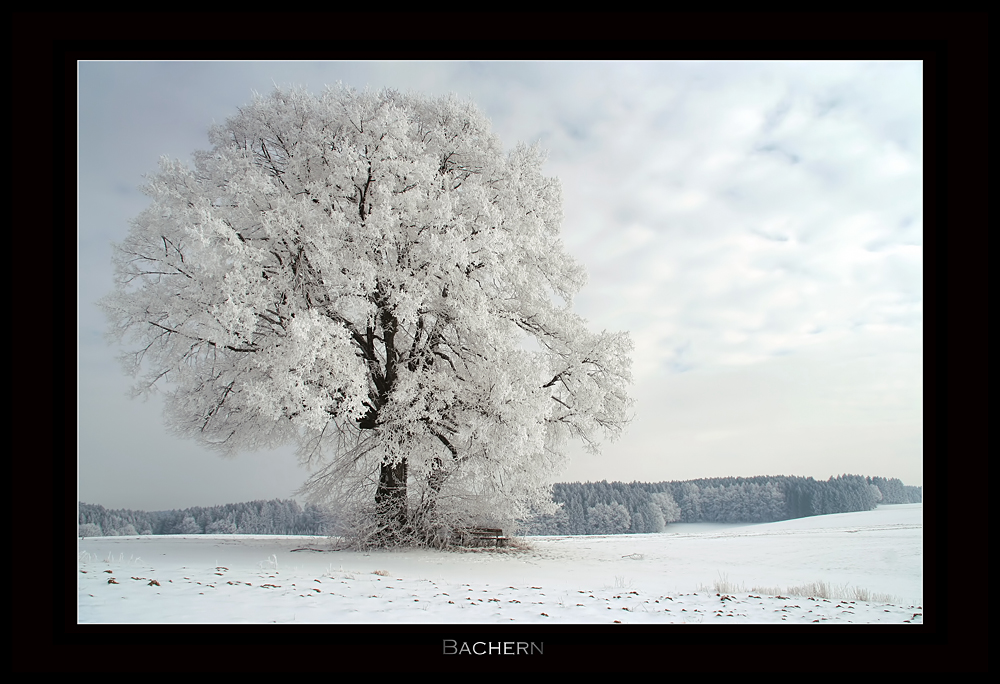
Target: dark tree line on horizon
{"type": "Point", "coordinates": [585, 508]}
{"type": "Point", "coordinates": [253, 517]}
{"type": "Point", "coordinates": [641, 507]}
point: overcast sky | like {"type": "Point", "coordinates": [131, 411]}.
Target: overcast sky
{"type": "Point", "coordinates": [756, 227]}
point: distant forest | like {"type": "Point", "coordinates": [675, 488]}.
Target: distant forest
{"type": "Point", "coordinates": [640, 507]}
{"type": "Point", "coordinates": [254, 517]}
{"type": "Point", "coordinates": [585, 508]}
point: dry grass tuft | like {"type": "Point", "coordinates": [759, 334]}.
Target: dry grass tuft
{"type": "Point", "coordinates": [818, 589]}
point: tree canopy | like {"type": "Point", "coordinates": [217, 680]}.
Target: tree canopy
{"type": "Point", "coordinates": [371, 277]}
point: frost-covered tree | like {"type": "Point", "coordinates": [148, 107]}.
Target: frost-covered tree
{"type": "Point", "coordinates": [610, 518]}
{"type": "Point", "coordinates": [187, 526]}
{"type": "Point", "coordinates": [371, 277]}
{"type": "Point", "coordinates": [89, 530]}
{"type": "Point", "coordinates": [669, 509]}
{"type": "Point", "coordinates": [224, 526]}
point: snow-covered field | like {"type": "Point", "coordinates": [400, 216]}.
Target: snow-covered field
{"type": "Point", "coordinates": [703, 573]}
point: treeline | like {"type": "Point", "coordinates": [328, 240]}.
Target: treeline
{"type": "Point", "coordinates": [585, 508]}
{"type": "Point", "coordinates": [252, 517]}
{"type": "Point", "coordinates": [641, 507]}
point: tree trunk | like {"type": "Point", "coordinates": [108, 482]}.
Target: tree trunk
{"type": "Point", "coordinates": [390, 499]}
{"type": "Point", "coordinates": [390, 496]}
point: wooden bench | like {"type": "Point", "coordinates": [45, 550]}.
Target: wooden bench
{"type": "Point", "coordinates": [482, 535]}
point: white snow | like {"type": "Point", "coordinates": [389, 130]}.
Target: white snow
{"type": "Point", "coordinates": [773, 571]}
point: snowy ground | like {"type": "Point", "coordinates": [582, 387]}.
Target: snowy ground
{"type": "Point", "coordinates": [709, 574]}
